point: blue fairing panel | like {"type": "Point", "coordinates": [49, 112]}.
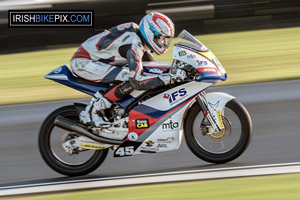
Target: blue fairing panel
{"type": "Point", "coordinates": [64, 76]}
{"type": "Point", "coordinates": [211, 77]}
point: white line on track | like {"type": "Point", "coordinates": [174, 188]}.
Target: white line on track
{"type": "Point", "coordinates": [228, 172]}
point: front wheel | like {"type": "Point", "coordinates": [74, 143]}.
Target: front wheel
{"type": "Point", "coordinates": [56, 155]}
{"type": "Point", "coordinates": [221, 147]}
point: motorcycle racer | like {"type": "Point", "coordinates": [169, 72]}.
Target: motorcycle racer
{"type": "Point", "coordinates": [102, 58]}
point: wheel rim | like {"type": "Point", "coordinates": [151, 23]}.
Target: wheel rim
{"type": "Point", "coordinates": [56, 137]}
{"type": "Point", "coordinates": [218, 143]}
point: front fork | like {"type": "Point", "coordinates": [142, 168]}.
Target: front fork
{"type": "Point", "coordinates": [203, 104]}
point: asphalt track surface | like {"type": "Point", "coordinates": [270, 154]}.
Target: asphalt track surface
{"type": "Point", "coordinates": [274, 109]}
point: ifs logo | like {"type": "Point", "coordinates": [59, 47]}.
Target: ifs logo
{"type": "Point", "coordinates": [201, 63]}
{"type": "Point", "coordinates": [176, 96]}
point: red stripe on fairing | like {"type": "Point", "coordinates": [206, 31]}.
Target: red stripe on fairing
{"type": "Point", "coordinates": [138, 60]}
{"type": "Point", "coordinates": [111, 94]}
{"type": "Point", "coordinates": [133, 116]}
{"type": "Point", "coordinates": [81, 53]}
{"type": "Point", "coordinates": [157, 67]}
{"type": "Point", "coordinates": [208, 69]}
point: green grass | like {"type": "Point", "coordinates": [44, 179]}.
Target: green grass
{"type": "Point", "coordinates": [276, 187]}
{"type": "Point", "coordinates": [248, 57]}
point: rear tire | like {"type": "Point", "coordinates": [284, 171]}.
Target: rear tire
{"type": "Point", "coordinates": [53, 159]}
{"type": "Point", "coordinates": [218, 148]}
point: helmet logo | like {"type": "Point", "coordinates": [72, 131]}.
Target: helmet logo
{"type": "Point", "coordinates": [155, 32]}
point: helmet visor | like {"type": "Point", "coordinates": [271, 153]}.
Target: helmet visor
{"type": "Point", "coordinates": [162, 41]}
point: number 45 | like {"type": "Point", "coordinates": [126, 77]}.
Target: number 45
{"type": "Point", "coordinates": [125, 151]}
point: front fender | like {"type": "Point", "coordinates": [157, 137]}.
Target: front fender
{"type": "Point", "coordinates": [217, 100]}
{"type": "Point", "coordinates": [215, 103]}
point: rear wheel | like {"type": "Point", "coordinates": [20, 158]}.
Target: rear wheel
{"type": "Point", "coordinates": [221, 147]}
{"type": "Point", "coordinates": [51, 145]}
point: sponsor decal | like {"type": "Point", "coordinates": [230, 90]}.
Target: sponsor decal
{"type": "Point", "coordinates": [170, 125]}
{"type": "Point", "coordinates": [92, 146]}
{"type": "Point", "coordinates": [132, 136]}
{"type": "Point", "coordinates": [181, 53]}
{"type": "Point", "coordinates": [203, 48]}
{"type": "Point", "coordinates": [162, 146]}
{"type": "Point", "coordinates": [149, 143]}
{"type": "Point", "coordinates": [176, 96]}
{"type": "Point", "coordinates": [57, 70]}
{"type": "Point", "coordinates": [208, 69]}
{"type": "Point", "coordinates": [147, 151]}
{"type": "Point", "coordinates": [214, 106]}
{"type": "Point", "coordinates": [142, 123]}
{"type": "Point", "coordinates": [166, 140]}
{"type": "Point", "coordinates": [201, 63]}
{"type": "Point", "coordinates": [150, 149]}
{"type": "Point", "coordinates": [191, 56]}
{"type": "Point", "coordinates": [156, 70]}
{"type": "Point", "coordinates": [219, 114]}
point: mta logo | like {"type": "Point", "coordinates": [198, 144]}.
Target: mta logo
{"type": "Point", "coordinates": [176, 96]}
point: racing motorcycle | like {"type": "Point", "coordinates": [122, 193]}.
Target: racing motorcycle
{"type": "Point", "coordinates": [216, 126]}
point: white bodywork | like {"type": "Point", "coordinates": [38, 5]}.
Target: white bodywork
{"type": "Point", "coordinates": [168, 135]}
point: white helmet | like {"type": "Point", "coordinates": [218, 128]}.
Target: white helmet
{"type": "Point", "coordinates": [157, 29]}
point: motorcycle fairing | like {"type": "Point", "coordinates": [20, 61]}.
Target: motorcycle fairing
{"type": "Point", "coordinates": [208, 65]}
{"type": "Point", "coordinates": [191, 51]}
{"type": "Point", "coordinates": [161, 117]}
{"type": "Point", "coordinates": [64, 76]}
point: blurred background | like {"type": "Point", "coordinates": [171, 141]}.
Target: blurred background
{"type": "Point", "coordinates": [255, 40]}
{"type": "Point", "coordinates": [198, 16]}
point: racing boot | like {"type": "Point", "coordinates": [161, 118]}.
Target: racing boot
{"type": "Point", "coordinates": [90, 116]}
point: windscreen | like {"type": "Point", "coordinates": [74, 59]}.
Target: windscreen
{"type": "Point", "coordinates": [186, 39]}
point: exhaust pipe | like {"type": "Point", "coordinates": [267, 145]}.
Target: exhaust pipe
{"type": "Point", "coordinates": [74, 127]}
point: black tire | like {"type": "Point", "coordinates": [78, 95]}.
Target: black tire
{"type": "Point", "coordinates": [53, 161]}
{"type": "Point", "coordinates": [235, 151]}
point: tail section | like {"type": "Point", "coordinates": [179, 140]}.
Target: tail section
{"type": "Point", "coordinates": [64, 76]}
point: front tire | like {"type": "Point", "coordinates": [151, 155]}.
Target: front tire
{"type": "Point", "coordinates": [55, 155]}
{"type": "Point", "coordinates": [220, 147]}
